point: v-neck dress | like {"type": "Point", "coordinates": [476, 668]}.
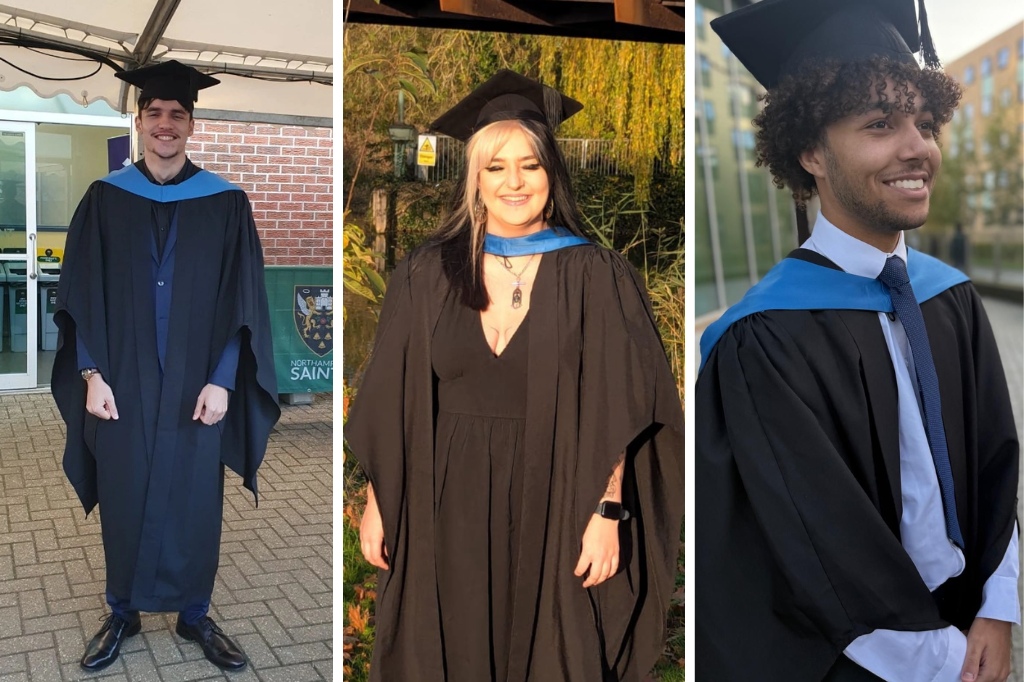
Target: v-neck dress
{"type": "Point", "coordinates": [481, 422]}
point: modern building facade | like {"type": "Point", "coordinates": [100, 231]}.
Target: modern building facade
{"type": "Point", "coordinates": [987, 131]}
{"type": "Point", "coordinates": [743, 223]}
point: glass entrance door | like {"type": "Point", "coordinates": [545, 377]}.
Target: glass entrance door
{"type": "Point", "coordinates": [19, 267]}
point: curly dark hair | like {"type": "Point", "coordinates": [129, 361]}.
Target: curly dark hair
{"type": "Point", "coordinates": [801, 106]}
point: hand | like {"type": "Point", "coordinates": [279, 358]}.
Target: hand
{"type": "Point", "coordinates": [212, 404]}
{"type": "Point", "coordinates": [988, 651]}
{"type": "Point", "coordinates": [600, 551]}
{"type": "Point", "coordinates": [99, 398]}
{"type": "Point", "coordinates": [371, 533]}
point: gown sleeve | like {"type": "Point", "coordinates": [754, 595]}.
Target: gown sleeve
{"type": "Point", "coordinates": [629, 401]}
{"type": "Point", "coordinates": [375, 429]}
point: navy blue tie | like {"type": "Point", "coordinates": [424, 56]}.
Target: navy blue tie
{"type": "Point", "coordinates": [894, 277]}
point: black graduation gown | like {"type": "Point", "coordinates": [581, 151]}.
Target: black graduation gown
{"type": "Point", "coordinates": [158, 474]}
{"type": "Point", "coordinates": [598, 383]}
{"type": "Point", "coordinates": [798, 486]}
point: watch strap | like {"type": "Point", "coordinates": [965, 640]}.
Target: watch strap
{"type": "Point", "coordinates": [612, 510]}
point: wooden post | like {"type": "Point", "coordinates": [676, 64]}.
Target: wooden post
{"type": "Point", "coordinates": [380, 227]}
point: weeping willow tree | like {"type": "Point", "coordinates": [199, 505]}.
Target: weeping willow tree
{"type": "Point", "coordinates": [632, 93]}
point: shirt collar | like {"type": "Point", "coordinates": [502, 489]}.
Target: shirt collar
{"type": "Point", "coordinates": [849, 253]}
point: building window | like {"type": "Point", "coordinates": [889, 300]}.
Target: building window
{"type": "Point", "coordinates": [969, 112]}
{"type": "Point", "coordinates": [986, 105]}
{"type": "Point", "coordinates": [1020, 49]}
{"type": "Point", "coordinates": [705, 72]}
{"type": "Point", "coordinates": [986, 67]}
{"type": "Point", "coordinates": [699, 22]}
{"type": "Point", "coordinates": [1005, 97]}
{"type": "Point", "coordinates": [1003, 57]}
{"type": "Point", "coordinates": [709, 116]}
{"type": "Point", "coordinates": [969, 76]}
{"type": "Point", "coordinates": [986, 147]}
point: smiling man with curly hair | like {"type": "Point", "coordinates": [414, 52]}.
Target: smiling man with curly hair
{"type": "Point", "coordinates": [857, 459]}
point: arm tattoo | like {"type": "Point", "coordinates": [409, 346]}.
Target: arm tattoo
{"type": "Point", "coordinates": [616, 477]}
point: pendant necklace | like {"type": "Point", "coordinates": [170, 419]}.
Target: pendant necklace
{"type": "Point", "coordinates": [517, 293]}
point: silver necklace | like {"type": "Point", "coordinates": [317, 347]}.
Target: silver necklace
{"type": "Point", "coordinates": [517, 293]}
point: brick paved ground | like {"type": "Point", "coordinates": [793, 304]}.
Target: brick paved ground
{"type": "Point", "coordinates": [1008, 325]}
{"type": "Point", "coordinates": [273, 591]}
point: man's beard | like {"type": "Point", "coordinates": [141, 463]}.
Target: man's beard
{"type": "Point", "coordinates": [877, 216]}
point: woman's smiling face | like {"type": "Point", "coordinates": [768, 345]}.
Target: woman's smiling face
{"type": "Point", "coordinates": [514, 188]}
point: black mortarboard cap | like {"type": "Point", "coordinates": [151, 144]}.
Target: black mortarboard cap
{"type": "Point", "coordinates": [773, 38]}
{"type": "Point", "coordinates": [506, 96]}
{"type": "Point", "coordinates": [170, 80]}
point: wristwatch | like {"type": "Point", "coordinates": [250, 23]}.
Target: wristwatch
{"type": "Point", "coordinates": [612, 510]}
{"type": "Point", "coordinates": [89, 373]}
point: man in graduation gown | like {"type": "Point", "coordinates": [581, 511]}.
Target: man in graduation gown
{"type": "Point", "coordinates": [164, 371]}
{"type": "Point", "coordinates": [857, 460]}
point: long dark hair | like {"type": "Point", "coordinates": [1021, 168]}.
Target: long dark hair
{"type": "Point", "coordinates": [459, 235]}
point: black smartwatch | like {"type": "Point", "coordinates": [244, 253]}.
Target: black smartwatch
{"type": "Point", "coordinates": [612, 510]}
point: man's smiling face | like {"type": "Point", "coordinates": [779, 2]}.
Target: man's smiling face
{"type": "Point", "coordinates": [164, 126]}
{"type": "Point", "coordinates": [875, 169]}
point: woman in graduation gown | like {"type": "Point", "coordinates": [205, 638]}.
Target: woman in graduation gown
{"type": "Point", "coordinates": [520, 428]}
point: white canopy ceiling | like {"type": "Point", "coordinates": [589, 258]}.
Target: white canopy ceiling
{"type": "Point", "coordinates": [271, 57]}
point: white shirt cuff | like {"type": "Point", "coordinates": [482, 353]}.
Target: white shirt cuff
{"type": "Point", "coordinates": [999, 599]}
{"type": "Point", "coordinates": [898, 656]}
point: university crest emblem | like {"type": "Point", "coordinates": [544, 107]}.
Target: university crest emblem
{"type": "Point", "coordinates": [314, 317]}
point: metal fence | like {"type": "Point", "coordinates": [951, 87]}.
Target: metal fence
{"type": "Point", "coordinates": [595, 156]}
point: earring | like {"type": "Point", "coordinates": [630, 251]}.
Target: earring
{"type": "Point", "coordinates": [479, 212]}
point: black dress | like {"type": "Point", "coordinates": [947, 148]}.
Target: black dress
{"type": "Point", "coordinates": [481, 422]}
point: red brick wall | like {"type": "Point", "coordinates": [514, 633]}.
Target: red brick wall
{"type": "Point", "coordinates": [287, 173]}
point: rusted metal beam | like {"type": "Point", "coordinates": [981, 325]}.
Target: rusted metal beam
{"type": "Point", "coordinates": [650, 13]}
{"type": "Point", "coordinates": [370, 7]}
{"type": "Point", "coordinates": [490, 9]}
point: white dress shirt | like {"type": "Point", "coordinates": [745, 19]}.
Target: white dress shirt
{"type": "Point", "coordinates": [932, 655]}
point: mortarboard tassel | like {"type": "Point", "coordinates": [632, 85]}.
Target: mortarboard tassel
{"type": "Point", "coordinates": [931, 60]}
{"type": "Point", "coordinates": [552, 107]}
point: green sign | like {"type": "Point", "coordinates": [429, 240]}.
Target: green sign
{"type": "Point", "coordinates": [20, 300]}
{"type": "Point", "coordinates": [302, 321]}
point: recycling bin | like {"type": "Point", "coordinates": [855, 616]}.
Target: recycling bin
{"type": "Point", "coordinates": [17, 299]}
{"type": "Point", "coordinates": [49, 274]}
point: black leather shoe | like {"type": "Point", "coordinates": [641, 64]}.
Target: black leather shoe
{"type": "Point", "coordinates": [217, 646]}
{"type": "Point", "coordinates": [104, 648]}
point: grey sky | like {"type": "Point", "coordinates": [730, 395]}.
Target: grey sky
{"type": "Point", "coordinates": [958, 26]}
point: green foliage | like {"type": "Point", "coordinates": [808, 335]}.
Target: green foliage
{"type": "Point", "coordinates": [359, 274]}
{"type": "Point", "coordinates": [1003, 139]}
{"type": "Point", "coordinates": [985, 178]}
{"type": "Point", "coordinates": [633, 93]}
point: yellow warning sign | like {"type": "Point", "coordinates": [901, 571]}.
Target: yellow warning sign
{"type": "Point", "coordinates": [426, 150]}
